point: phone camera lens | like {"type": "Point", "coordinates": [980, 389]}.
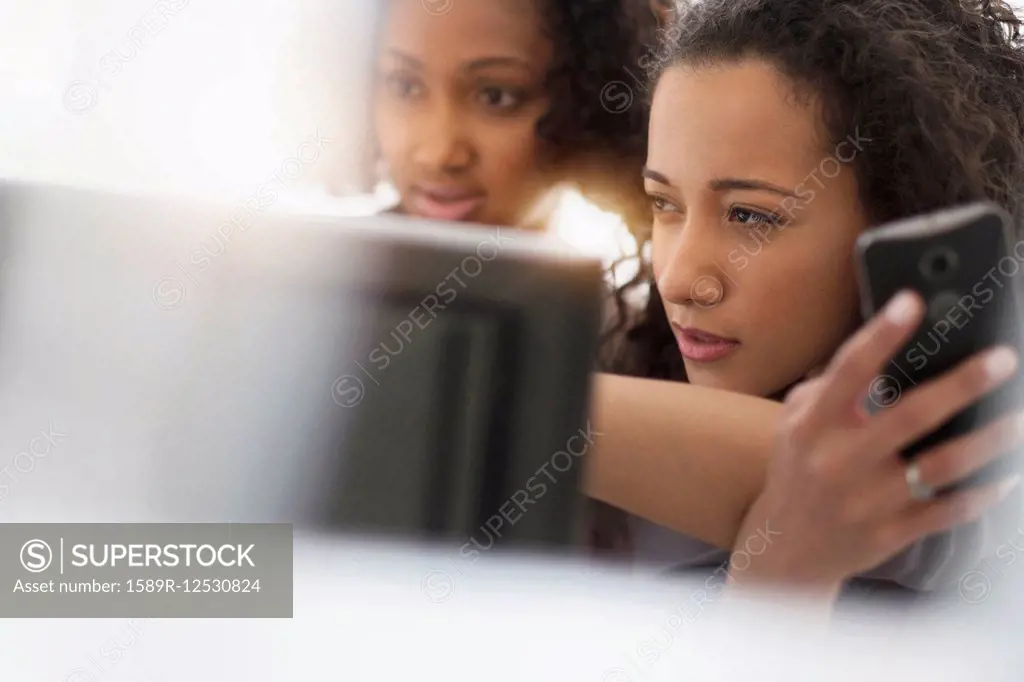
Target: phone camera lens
{"type": "Point", "coordinates": [939, 264]}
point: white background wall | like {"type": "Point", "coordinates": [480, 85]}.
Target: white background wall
{"type": "Point", "coordinates": [212, 100]}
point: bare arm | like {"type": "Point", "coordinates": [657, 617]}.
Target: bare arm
{"type": "Point", "coordinates": [689, 458]}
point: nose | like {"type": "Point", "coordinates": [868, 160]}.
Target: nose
{"type": "Point", "coordinates": [443, 143]}
{"type": "Point", "coordinates": [687, 265]}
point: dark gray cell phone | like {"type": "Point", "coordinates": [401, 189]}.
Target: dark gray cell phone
{"type": "Point", "coordinates": [967, 265]}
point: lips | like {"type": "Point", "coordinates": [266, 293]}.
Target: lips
{"type": "Point", "coordinates": [445, 203]}
{"type": "Point", "coordinates": [701, 346]}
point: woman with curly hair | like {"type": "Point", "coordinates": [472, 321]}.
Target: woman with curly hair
{"type": "Point", "coordinates": [781, 130]}
{"type": "Point", "coordinates": [480, 108]}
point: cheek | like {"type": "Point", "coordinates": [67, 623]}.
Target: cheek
{"type": "Point", "coordinates": [659, 253]}
{"type": "Point", "coordinates": [510, 149]}
{"type": "Point", "coordinates": [805, 303]}
{"type": "Point", "coordinates": [392, 135]}
{"type": "Point", "coordinates": [510, 156]}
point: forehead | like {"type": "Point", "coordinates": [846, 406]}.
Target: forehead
{"type": "Point", "coordinates": [731, 120]}
{"type": "Point", "coordinates": [466, 30]}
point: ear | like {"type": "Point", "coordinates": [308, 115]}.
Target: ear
{"type": "Point", "coordinates": [664, 10]}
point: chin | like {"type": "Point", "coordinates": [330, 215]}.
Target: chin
{"type": "Point", "coordinates": [735, 382]}
{"type": "Point", "coordinates": [702, 375]}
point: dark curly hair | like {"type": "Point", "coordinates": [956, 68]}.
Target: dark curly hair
{"type": "Point", "coordinates": [597, 144]}
{"type": "Point", "coordinates": [592, 40]}
{"type": "Point", "coordinates": [936, 85]}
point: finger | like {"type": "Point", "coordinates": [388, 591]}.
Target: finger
{"type": "Point", "coordinates": [801, 397]}
{"type": "Point", "coordinates": [946, 464]}
{"type": "Point", "coordinates": [932, 404]}
{"type": "Point", "coordinates": [943, 513]}
{"type": "Point", "coordinates": [862, 357]}
{"type": "Point", "coordinates": [816, 371]}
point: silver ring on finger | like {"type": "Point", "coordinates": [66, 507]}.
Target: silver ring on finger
{"type": "Point", "coordinates": [919, 490]}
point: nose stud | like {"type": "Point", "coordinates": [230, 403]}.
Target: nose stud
{"type": "Point", "coordinates": [706, 291]}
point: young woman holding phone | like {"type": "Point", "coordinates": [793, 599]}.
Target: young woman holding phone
{"type": "Point", "coordinates": [888, 109]}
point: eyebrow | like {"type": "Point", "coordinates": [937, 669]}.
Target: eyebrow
{"type": "Point", "coordinates": [725, 184]}
{"type": "Point", "coordinates": [515, 62]}
{"type": "Point", "coordinates": [412, 61]}
{"type": "Point", "coordinates": [475, 65]}
{"type": "Point", "coordinates": [652, 174]}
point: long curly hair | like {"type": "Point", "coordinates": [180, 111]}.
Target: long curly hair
{"type": "Point", "coordinates": [592, 40]}
{"type": "Point", "coordinates": [593, 142]}
{"type": "Point", "coordinates": [936, 85]}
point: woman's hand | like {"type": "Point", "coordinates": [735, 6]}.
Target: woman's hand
{"type": "Point", "coordinates": [837, 501]}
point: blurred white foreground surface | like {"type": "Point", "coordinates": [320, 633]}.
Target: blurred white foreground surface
{"type": "Point", "coordinates": [366, 612]}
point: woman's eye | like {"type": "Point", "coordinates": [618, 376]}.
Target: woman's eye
{"type": "Point", "coordinates": [499, 98]}
{"type": "Point", "coordinates": [662, 205]}
{"type": "Point", "coordinates": [751, 217]}
{"type": "Point", "coordinates": [404, 87]}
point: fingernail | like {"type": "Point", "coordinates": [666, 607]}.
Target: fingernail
{"type": "Point", "coordinates": [902, 308]}
{"type": "Point", "coordinates": [1001, 363]}
{"type": "Point", "coordinates": [1008, 486]}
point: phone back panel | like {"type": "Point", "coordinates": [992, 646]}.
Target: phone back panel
{"type": "Point", "coordinates": [966, 265]}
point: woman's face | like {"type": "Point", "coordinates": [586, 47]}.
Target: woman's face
{"type": "Point", "coordinates": [457, 99]}
{"type": "Point", "coordinates": [755, 218]}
